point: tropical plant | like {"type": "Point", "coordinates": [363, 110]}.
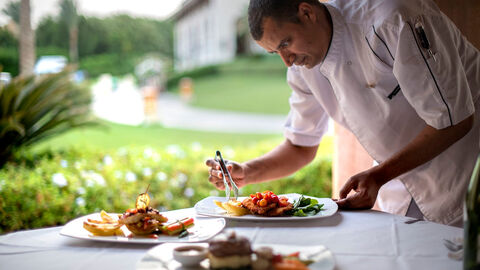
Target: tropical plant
{"type": "Point", "coordinates": [34, 108]}
{"type": "Point", "coordinates": [12, 10]}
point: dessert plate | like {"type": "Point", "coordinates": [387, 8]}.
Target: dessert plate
{"type": "Point", "coordinates": [161, 257]}
{"type": "Point", "coordinates": [207, 207]}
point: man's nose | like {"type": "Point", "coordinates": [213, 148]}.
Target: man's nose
{"type": "Point", "coordinates": [287, 57]}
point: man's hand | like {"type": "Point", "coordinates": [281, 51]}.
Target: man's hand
{"type": "Point", "coordinates": [236, 170]}
{"type": "Point", "coordinates": [366, 185]}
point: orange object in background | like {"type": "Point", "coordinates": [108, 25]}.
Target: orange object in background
{"type": "Point", "coordinates": [150, 103]}
{"type": "Point", "coordinates": [186, 89]}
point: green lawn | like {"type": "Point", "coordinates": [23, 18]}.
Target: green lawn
{"type": "Point", "coordinates": [256, 85]}
{"type": "Point", "coordinates": [113, 136]}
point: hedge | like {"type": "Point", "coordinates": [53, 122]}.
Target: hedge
{"type": "Point", "coordinates": [49, 189]}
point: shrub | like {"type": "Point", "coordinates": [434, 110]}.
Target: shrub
{"type": "Point", "coordinates": [114, 64]}
{"type": "Point", "coordinates": [48, 189]}
{"type": "Point", "coordinates": [35, 108]}
{"type": "Point", "coordinates": [9, 60]}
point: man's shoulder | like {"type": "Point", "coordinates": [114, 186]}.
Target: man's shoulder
{"type": "Point", "coordinates": [371, 12]}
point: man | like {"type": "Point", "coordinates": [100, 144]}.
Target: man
{"type": "Point", "coordinates": [399, 75]}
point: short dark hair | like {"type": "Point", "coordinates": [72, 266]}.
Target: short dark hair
{"type": "Point", "coordinates": [279, 10]}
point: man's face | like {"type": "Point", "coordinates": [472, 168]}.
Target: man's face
{"type": "Point", "coordinates": [303, 44]}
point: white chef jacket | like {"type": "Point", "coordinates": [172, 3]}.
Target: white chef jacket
{"type": "Point", "coordinates": [374, 49]}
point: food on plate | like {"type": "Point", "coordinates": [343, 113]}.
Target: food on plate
{"type": "Point", "coordinates": [108, 226]}
{"type": "Point", "coordinates": [178, 227]}
{"type": "Point", "coordinates": [142, 221]}
{"type": "Point", "coordinates": [233, 207]}
{"type": "Point", "coordinates": [305, 207]}
{"type": "Point", "coordinates": [229, 251]}
{"type": "Point", "coordinates": [267, 203]}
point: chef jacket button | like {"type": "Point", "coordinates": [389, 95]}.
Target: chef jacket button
{"type": "Point", "coordinates": [349, 62]}
{"type": "Point", "coordinates": [371, 85]}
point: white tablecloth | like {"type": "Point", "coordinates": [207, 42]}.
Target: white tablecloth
{"type": "Point", "coordinates": [358, 240]}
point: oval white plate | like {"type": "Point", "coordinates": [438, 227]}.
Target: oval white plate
{"type": "Point", "coordinates": [161, 257]}
{"type": "Point", "coordinates": [204, 229]}
{"type": "Point", "coordinates": [207, 207]}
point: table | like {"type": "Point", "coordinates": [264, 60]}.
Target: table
{"type": "Point", "coordinates": [358, 239]}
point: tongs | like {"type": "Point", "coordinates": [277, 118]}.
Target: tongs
{"type": "Point", "coordinates": [232, 185]}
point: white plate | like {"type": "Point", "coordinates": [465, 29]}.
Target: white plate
{"type": "Point", "coordinates": [161, 257]}
{"type": "Point", "coordinates": [204, 229]}
{"type": "Point", "coordinates": [207, 207]}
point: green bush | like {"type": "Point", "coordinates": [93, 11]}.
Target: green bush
{"type": "Point", "coordinates": [114, 64]}
{"type": "Point", "coordinates": [9, 60]}
{"type": "Point", "coordinates": [51, 188]}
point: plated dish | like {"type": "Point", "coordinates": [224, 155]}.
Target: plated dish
{"type": "Point", "coordinates": [239, 255]}
{"type": "Point", "coordinates": [210, 207]}
{"type": "Point", "coordinates": [203, 230]}
{"type": "Point", "coordinates": [142, 224]}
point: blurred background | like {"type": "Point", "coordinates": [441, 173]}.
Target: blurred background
{"type": "Point", "coordinates": [100, 99]}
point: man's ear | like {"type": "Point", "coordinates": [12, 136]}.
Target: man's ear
{"type": "Point", "coordinates": [306, 12]}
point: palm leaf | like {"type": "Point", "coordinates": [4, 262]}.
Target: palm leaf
{"type": "Point", "coordinates": [36, 108]}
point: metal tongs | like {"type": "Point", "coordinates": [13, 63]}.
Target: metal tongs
{"type": "Point", "coordinates": [232, 185]}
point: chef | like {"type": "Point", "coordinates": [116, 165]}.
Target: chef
{"type": "Point", "coordinates": [399, 75]}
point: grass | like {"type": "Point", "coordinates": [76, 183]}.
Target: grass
{"type": "Point", "coordinates": [254, 85]}
{"type": "Point", "coordinates": [114, 136]}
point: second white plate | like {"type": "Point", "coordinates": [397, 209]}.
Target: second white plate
{"type": "Point", "coordinates": [207, 207]}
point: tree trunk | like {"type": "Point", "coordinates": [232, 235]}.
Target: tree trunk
{"type": "Point", "coordinates": [73, 44]}
{"type": "Point", "coordinates": [27, 40]}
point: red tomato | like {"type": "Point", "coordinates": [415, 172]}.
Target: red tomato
{"type": "Point", "coordinates": [263, 202]}
{"type": "Point", "coordinates": [253, 195]}
{"type": "Point", "coordinates": [274, 198]}
{"type": "Point", "coordinates": [259, 195]}
{"type": "Point", "coordinates": [255, 200]}
{"type": "Point", "coordinates": [283, 202]}
{"type": "Point", "coordinates": [267, 197]}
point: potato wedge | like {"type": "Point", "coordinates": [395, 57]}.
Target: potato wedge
{"type": "Point", "coordinates": [233, 207]}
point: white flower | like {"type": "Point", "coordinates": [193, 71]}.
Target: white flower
{"type": "Point", "coordinates": [59, 180]}
{"type": "Point", "coordinates": [175, 150]}
{"type": "Point", "coordinates": [147, 172]}
{"type": "Point", "coordinates": [229, 153]}
{"type": "Point", "coordinates": [182, 178]}
{"type": "Point", "coordinates": [214, 193]}
{"type": "Point", "coordinates": [81, 190]}
{"type": "Point", "coordinates": [122, 151]}
{"type": "Point", "coordinates": [168, 195]}
{"type": "Point", "coordinates": [161, 176]}
{"type": "Point", "coordinates": [77, 165]}
{"type": "Point", "coordinates": [118, 174]}
{"type": "Point", "coordinates": [196, 146]}
{"type": "Point", "coordinates": [93, 178]}
{"type": "Point", "coordinates": [64, 163]}
{"type": "Point", "coordinates": [189, 192]}
{"type": "Point", "coordinates": [107, 160]}
{"type": "Point", "coordinates": [80, 201]}
{"type": "Point", "coordinates": [156, 157]}
{"type": "Point", "coordinates": [131, 177]}
{"type": "Point", "coordinates": [148, 152]}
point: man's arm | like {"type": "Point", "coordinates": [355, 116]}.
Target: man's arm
{"type": "Point", "coordinates": [282, 161]}
{"type": "Point", "coordinates": [429, 143]}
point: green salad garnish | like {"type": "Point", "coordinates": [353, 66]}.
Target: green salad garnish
{"type": "Point", "coordinates": [304, 207]}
